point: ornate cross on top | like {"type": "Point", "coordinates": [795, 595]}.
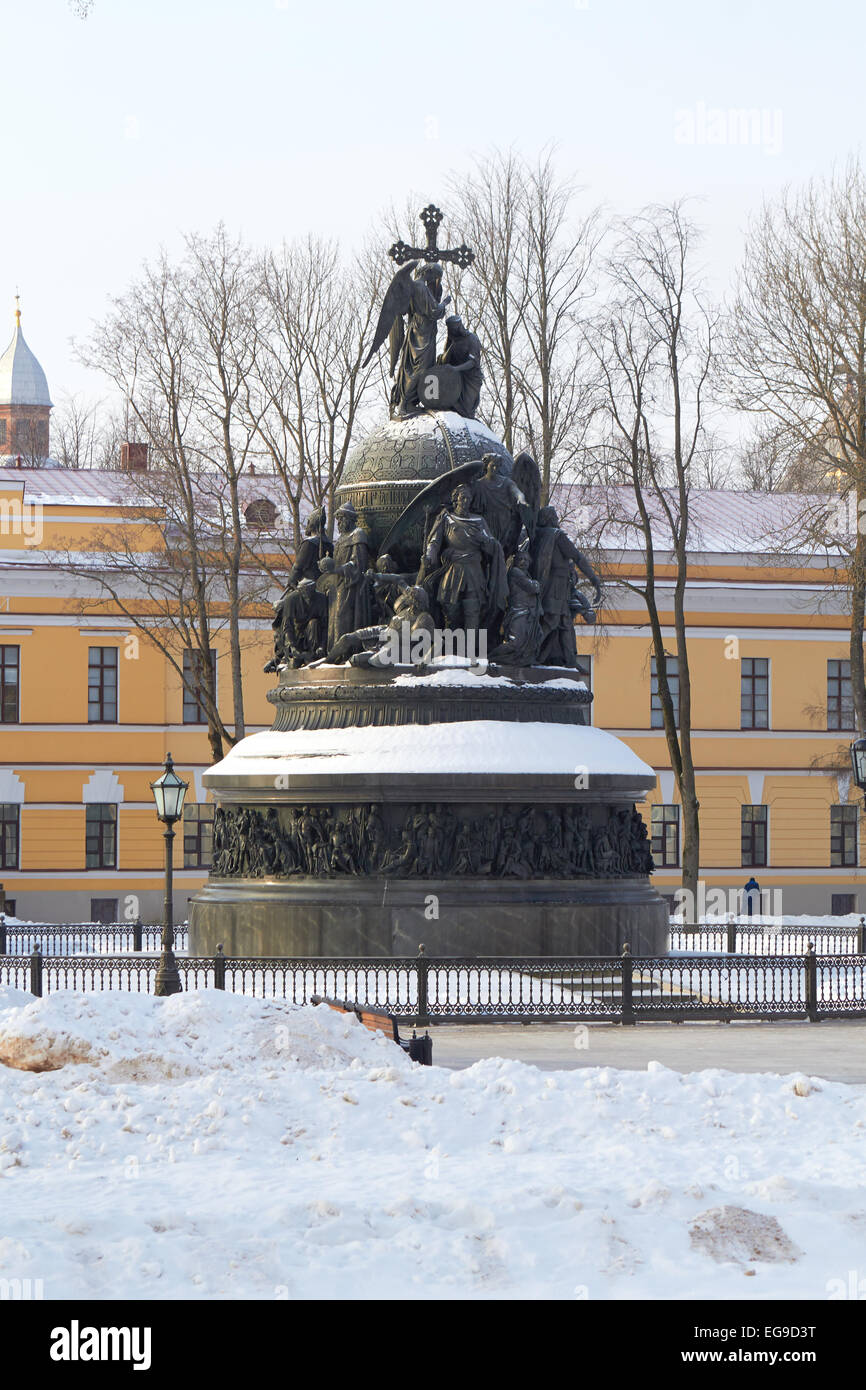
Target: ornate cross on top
{"type": "Point", "coordinates": [431, 217]}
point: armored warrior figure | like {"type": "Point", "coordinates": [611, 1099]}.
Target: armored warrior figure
{"type": "Point", "coordinates": [406, 640]}
{"type": "Point", "coordinates": [387, 584]}
{"type": "Point", "coordinates": [457, 544]}
{"type": "Point", "coordinates": [313, 547]}
{"type": "Point", "coordinates": [303, 625]}
{"type": "Point", "coordinates": [294, 640]}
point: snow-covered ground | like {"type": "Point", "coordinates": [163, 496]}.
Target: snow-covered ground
{"type": "Point", "coordinates": [773, 923]}
{"type": "Point", "coordinates": [212, 1145]}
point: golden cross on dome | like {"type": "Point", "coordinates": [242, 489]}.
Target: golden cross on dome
{"type": "Point", "coordinates": [17, 308]}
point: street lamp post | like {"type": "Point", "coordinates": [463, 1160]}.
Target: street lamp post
{"type": "Point", "coordinates": [858, 764]}
{"type": "Point", "coordinates": [169, 791]}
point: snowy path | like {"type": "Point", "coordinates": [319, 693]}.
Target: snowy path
{"type": "Point", "coordinates": [835, 1049]}
{"type": "Point", "coordinates": [218, 1146]}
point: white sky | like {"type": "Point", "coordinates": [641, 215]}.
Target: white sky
{"type": "Point", "coordinates": [155, 117]}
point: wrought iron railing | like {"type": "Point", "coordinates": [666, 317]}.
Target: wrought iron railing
{"type": "Point", "coordinates": [424, 990]}
{"type": "Point", "coordinates": [83, 938]}
{"type": "Point", "coordinates": [705, 938]}
{"type": "Point", "coordinates": [768, 939]}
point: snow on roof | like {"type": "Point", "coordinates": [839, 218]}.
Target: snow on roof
{"type": "Point", "coordinates": [102, 487]}
{"type": "Point", "coordinates": [721, 521]}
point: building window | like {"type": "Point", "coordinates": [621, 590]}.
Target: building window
{"type": "Point", "coordinates": [755, 693]}
{"type": "Point", "coordinates": [261, 512]}
{"type": "Point", "coordinates": [666, 836]}
{"type": "Point", "coordinates": [102, 685]}
{"type": "Point", "coordinates": [101, 845]}
{"type": "Point", "coordinates": [672, 667]}
{"type": "Point", "coordinates": [843, 904]}
{"type": "Point", "coordinates": [10, 668]}
{"type": "Point", "coordinates": [843, 835]}
{"type": "Point", "coordinates": [104, 911]}
{"type": "Point", "coordinates": [840, 703]}
{"type": "Point", "coordinates": [193, 710]}
{"type": "Point", "coordinates": [9, 836]}
{"type": "Point", "coordinates": [2, 431]}
{"type": "Point", "coordinates": [753, 837]}
{"type": "Point", "coordinates": [198, 837]}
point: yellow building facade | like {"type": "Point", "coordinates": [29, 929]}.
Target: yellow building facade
{"type": "Point", "coordinates": [772, 715]}
{"type": "Point", "coordinates": [90, 707]}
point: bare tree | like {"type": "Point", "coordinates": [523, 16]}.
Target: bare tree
{"type": "Point", "coordinates": [308, 388]}
{"type": "Point", "coordinates": [768, 464]}
{"type": "Point", "coordinates": [654, 344]}
{"type": "Point", "coordinates": [220, 291]}
{"type": "Point", "coordinates": [489, 207]}
{"type": "Point", "coordinates": [163, 578]}
{"type": "Point", "coordinates": [797, 351]}
{"type": "Point", "coordinates": [155, 349]}
{"type": "Point", "coordinates": [89, 435]}
{"type": "Point", "coordinates": [527, 295]}
{"type": "Point", "coordinates": [74, 432]}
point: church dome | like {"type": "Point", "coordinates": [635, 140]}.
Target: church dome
{"type": "Point", "coordinates": [22, 380]}
{"type": "Point", "coordinates": [396, 460]}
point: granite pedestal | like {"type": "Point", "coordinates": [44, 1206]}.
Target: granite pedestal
{"type": "Point", "coordinates": [474, 810]}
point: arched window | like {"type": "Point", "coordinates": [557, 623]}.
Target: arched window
{"type": "Point", "coordinates": [260, 512]}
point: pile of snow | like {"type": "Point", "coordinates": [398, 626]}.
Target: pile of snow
{"type": "Point", "coordinates": [186, 1035]}
{"type": "Point", "coordinates": [213, 1146]}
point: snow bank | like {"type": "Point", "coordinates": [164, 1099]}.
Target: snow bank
{"type": "Point", "coordinates": [213, 1146]}
{"type": "Point", "coordinates": [185, 1035]}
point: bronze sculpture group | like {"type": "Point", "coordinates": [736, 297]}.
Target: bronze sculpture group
{"type": "Point", "coordinates": [430, 841]}
{"type": "Point", "coordinates": [477, 550]}
{"type": "Point", "coordinates": [490, 564]}
{"type": "Point", "coordinates": [493, 560]}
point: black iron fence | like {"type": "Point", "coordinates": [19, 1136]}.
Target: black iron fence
{"type": "Point", "coordinates": [424, 990]}
{"type": "Point", "coordinates": [706, 938]}
{"type": "Point", "coordinates": [88, 938]}
{"type": "Point", "coordinates": [763, 939]}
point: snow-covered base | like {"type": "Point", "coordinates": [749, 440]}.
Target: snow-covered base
{"type": "Point", "coordinates": [213, 1146]}
{"type": "Point", "coordinates": [471, 747]}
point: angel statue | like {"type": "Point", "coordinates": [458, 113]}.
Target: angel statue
{"type": "Point", "coordinates": [413, 348]}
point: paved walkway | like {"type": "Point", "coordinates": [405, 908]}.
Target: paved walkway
{"type": "Point", "coordinates": [836, 1051]}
